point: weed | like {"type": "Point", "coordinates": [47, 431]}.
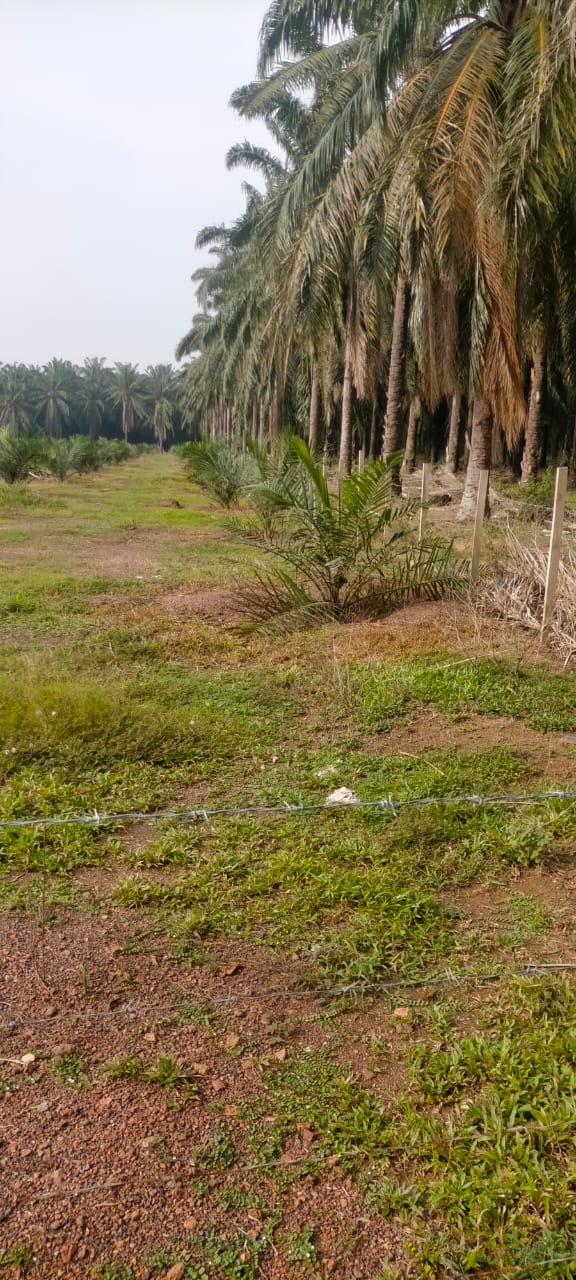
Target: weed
{"type": "Point", "coordinates": [391, 1198]}
{"type": "Point", "coordinates": [159, 1148]}
{"type": "Point", "coordinates": [237, 1257]}
{"type": "Point", "coordinates": [167, 1072]}
{"type": "Point", "coordinates": [235, 1198]}
{"type": "Point", "coordinates": [194, 1013]}
{"type": "Point", "coordinates": [163, 1259]}
{"type": "Point", "coordinates": [115, 1271]}
{"type": "Point", "coordinates": [18, 1255]}
{"type": "Point", "coordinates": [300, 1245]}
{"type": "Point", "coordinates": [218, 1151]}
{"type": "Point", "coordinates": [71, 1068]}
{"type": "Point", "coordinates": [124, 1068]}
{"type": "Point", "coordinates": [84, 982]}
{"type": "Point", "coordinates": [499, 1163]}
{"type": "Point", "coordinates": [525, 918]}
{"type": "Point", "coordinates": [313, 1092]}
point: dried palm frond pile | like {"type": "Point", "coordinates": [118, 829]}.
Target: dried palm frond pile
{"type": "Point", "coordinates": [516, 592]}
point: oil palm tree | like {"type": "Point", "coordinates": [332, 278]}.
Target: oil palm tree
{"type": "Point", "coordinates": [126, 393]}
{"type": "Point", "coordinates": [430, 152]}
{"type": "Point", "coordinates": [93, 387]}
{"type": "Point", "coordinates": [488, 95]}
{"type": "Point", "coordinates": [161, 389]}
{"type": "Point", "coordinates": [17, 403]}
{"type": "Point", "coordinates": [54, 396]}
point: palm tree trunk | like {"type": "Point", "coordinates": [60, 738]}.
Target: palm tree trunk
{"type": "Point", "coordinates": [274, 413]}
{"type": "Point", "coordinates": [262, 426]}
{"type": "Point", "coordinates": [373, 427]}
{"type": "Point", "coordinates": [255, 420]}
{"type": "Point", "coordinates": [413, 420]}
{"type": "Point", "coordinates": [480, 457]}
{"type": "Point", "coordinates": [533, 435]}
{"type": "Point", "coordinates": [345, 463]}
{"type": "Point", "coordinates": [468, 434]}
{"type": "Point", "coordinates": [454, 433]}
{"type": "Point", "coordinates": [314, 413]}
{"type": "Point", "coordinates": [572, 460]}
{"type": "Point", "coordinates": [124, 421]}
{"type": "Point", "coordinates": [393, 424]}
{"type": "Point", "coordinates": [498, 447]}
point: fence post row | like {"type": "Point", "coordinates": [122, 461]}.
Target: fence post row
{"type": "Point", "coordinates": [555, 545]}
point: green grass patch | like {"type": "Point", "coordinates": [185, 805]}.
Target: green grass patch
{"type": "Point", "coordinates": [492, 1166]}
{"type": "Point", "coordinates": [35, 792]}
{"type": "Point", "coordinates": [524, 918]}
{"type": "Point", "coordinates": [543, 699]}
{"type": "Point", "coordinates": [352, 891]}
{"type": "Point", "coordinates": [114, 1271]}
{"type": "Point", "coordinates": [313, 1092]}
{"type": "Point", "coordinates": [310, 776]}
{"type": "Point", "coordinates": [336, 900]}
{"type": "Point", "coordinates": [164, 716]}
{"type": "Point", "coordinates": [18, 1255]}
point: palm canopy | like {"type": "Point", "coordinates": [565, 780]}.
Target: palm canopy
{"type": "Point", "coordinates": [126, 393]}
{"type": "Point", "coordinates": [427, 149]}
{"type": "Point", "coordinates": [162, 388]}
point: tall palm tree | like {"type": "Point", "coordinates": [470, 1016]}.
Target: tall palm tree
{"type": "Point", "coordinates": [161, 389]}
{"type": "Point", "coordinates": [17, 401]}
{"type": "Point", "coordinates": [126, 394]}
{"type": "Point", "coordinates": [415, 184]}
{"type": "Point", "coordinates": [54, 395]}
{"type": "Point", "coordinates": [93, 388]}
{"type": "Point", "coordinates": [487, 96]}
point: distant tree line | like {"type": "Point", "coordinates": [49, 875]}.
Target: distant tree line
{"type": "Point", "coordinates": [62, 400]}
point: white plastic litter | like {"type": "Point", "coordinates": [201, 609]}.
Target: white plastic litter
{"type": "Point", "coordinates": [343, 796]}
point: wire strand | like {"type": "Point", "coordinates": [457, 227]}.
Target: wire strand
{"type": "Point", "coordinates": [351, 990]}
{"type": "Point", "coordinates": [385, 804]}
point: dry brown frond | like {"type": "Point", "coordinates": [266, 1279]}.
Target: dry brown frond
{"type": "Point", "coordinates": [516, 592]}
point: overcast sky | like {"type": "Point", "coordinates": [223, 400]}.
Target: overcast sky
{"type": "Point", "coordinates": [114, 124]}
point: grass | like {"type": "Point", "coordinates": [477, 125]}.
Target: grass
{"type": "Point", "coordinates": [543, 699]}
{"type": "Point", "coordinates": [346, 1120]}
{"type": "Point", "coordinates": [496, 1169]}
{"type": "Point", "coordinates": [465, 1133]}
{"type": "Point", "coordinates": [525, 918]}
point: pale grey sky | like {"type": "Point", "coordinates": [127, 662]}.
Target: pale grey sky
{"type": "Point", "coordinates": [114, 124]}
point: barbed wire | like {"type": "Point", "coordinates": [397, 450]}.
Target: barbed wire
{"type": "Point", "coordinates": [177, 1007]}
{"type": "Point", "coordinates": [386, 804]}
{"type": "Point", "coordinates": [512, 1269]}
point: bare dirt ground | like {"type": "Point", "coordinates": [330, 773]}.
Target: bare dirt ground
{"type": "Point", "coordinates": [107, 1170]}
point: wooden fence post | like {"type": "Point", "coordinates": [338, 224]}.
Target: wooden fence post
{"type": "Point", "coordinates": [478, 526]}
{"type": "Point", "coordinates": [423, 499]}
{"type": "Point", "coordinates": [555, 545]}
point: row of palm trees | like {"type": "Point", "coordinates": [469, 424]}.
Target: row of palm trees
{"type": "Point", "coordinates": [61, 399]}
{"type": "Point", "coordinates": [404, 275]}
